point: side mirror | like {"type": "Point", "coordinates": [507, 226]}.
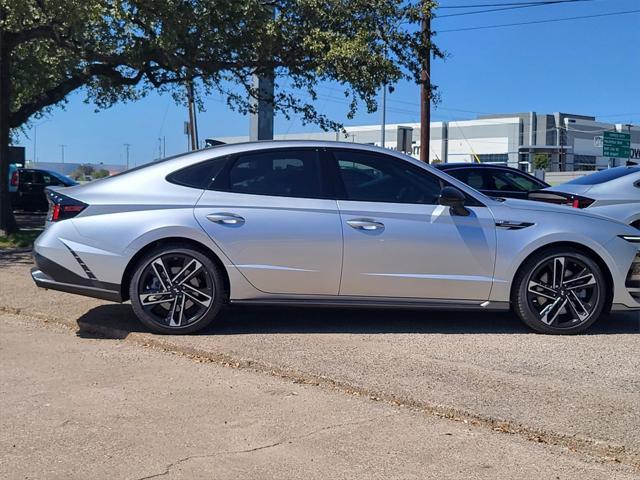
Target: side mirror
{"type": "Point", "coordinates": [454, 199]}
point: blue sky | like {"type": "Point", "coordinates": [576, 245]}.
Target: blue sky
{"type": "Point", "coordinates": [588, 66]}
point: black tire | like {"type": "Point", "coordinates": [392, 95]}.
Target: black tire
{"type": "Point", "coordinates": [569, 307]}
{"type": "Point", "coordinates": [187, 308]}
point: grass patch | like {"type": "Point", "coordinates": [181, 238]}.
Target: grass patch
{"type": "Point", "coordinates": [21, 239]}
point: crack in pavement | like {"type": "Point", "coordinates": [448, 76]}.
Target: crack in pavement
{"type": "Point", "coordinates": [287, 440]}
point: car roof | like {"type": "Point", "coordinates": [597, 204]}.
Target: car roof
{"type": "Point", "coordinates": [445, 166]}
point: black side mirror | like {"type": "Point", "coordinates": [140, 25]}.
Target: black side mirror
{"type": "Point", "coordinates": [454, 199]}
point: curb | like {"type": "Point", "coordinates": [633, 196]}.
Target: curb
{"type": "Point", "coordinates": [601, 450]}
{"type": "Point", "coordinates": [16, 250]}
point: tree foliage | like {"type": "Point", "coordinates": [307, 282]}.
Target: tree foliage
{"type": "Point", "coordinates": [119, 50]}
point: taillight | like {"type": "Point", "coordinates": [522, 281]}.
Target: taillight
{"type": "Point", "coordinates": [560, 198]}
{"type": "Point", "coordinates": [580, 202]}
{"type": "Point", "coordinates": [62, 207]}
{"type": "Point", "coordinates": [15, 177]}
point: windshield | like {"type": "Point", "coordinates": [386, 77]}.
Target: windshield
{"type": "Point", "coordinates": [604, 176]}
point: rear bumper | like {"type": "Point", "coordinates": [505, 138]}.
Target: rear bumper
{"type": "Point", "coordinates": [50, 275]}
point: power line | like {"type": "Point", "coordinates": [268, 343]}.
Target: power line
{"type": "Point", "coordinates": [485, 5]}
{"type": "Point", "coordinates": [527, 5]}
{"type": "Point", "coordinates": [538, 21]}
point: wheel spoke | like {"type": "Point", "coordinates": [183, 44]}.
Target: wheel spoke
{"type": "Point", "coordinates": [578, 307]}
{"type": "Point", "coordinates": [161, 272]}
{"type": "Point", "coordinates": [558, 272]}
{"type": "Point", "coordinates": [549, 313]}
{"type": "Point", "coordinates": [542, 290]}
{"type": "Point", "coordinates": [187, 272]}
{"type": "Point", "coordinates": [197, 296]}
{"type": "Point", "coordinates": [155, 298]}
{"type": "Point", "coordinates": [580, 282]}
{"type": "Point", "coordinates": [177, 311]}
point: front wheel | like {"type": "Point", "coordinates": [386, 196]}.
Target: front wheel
{"type": "Point", "coordinates": [176, 289]}
{"type": "Point", "coordinates": [559, 291]}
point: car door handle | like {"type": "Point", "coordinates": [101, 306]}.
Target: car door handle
{"type": "Point", "coordinates": [365, 224]}
{"type": "Point", "coordinates": [225, 218]}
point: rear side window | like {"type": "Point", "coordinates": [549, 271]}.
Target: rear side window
{"type": "Point", "coordinates": [199, 175]}
{"type": "Point", "coordinates": [290, 173]}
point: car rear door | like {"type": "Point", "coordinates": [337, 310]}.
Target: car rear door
{"type": "Point", "coordinates": [398, 242]}
{"type": "Point", "coordinates": [269, 214]}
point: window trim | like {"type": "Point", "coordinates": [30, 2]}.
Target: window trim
{"type": "Point", "coordinates": [222, 182]}
{"type": "Point", "coordinates": [341, 193]}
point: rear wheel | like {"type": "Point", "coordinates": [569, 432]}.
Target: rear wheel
{"type": "Point", "coordinates": [559, 291]}
{"type": "Point", "coordinates": [176, 289]}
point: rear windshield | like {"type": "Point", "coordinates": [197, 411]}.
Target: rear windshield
{"type": "Point", "coordinates": [604, 176]}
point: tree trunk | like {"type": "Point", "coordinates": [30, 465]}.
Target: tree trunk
{"type": "Point", "coordinates": [7, 220]}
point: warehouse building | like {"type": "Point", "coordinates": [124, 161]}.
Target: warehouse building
{"type": "Point", "coordinates": [569, 142]}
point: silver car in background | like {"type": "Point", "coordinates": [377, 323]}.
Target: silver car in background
{"type": "Point", "coordinates": [614, 193]}
{"type": "Point", "coordinates": [328, 224]}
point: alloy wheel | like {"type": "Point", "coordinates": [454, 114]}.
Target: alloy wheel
{"type": "Point", "coordinates": [563, 292]}
{"type": "Point", "coordinates": [176, 290]}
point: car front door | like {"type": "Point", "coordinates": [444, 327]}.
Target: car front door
{"type": "Point", "coordinates": [398, 242]}
{"type": "Point", "coordinates": [267, 212]}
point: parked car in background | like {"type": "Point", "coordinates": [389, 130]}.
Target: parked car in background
{"type": "Point", "coordinates": [13, 177]}
{"type": "Point", "coordinates": [328, 224]}
{"type": "Point", "coordinates": [494, 180]}
{"type": "Point", "coordinates": [614, 193]}
{"type": "Point", "coordinates": [30, 184]}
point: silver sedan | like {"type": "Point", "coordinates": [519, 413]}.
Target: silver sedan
{"type": "Point", "coordinates": [614, 193]}
{"type": "Point", "coordinates": [328, 224]}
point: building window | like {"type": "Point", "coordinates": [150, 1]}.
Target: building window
{"type": "Point", "coordinates": [584, 162]}
{"type": "Point", "coordinates": [493, 157]}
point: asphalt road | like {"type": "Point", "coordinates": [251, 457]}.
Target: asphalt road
{"type": "Point", "coordinates": [580, 393]}
{"type": "Point", "coordinates": [85, 407]}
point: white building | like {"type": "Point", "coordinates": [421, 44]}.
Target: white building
{"type": "Point", "coordinates": [572, 142]}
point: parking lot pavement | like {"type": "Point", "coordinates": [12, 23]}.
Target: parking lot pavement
{"type": "Point", "coordinates": [580, 392]}
{"type": "Point", "coordinates": [87, 407]}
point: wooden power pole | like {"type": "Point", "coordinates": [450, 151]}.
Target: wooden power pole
{"type": "Point", "coordinates": [425, 90]}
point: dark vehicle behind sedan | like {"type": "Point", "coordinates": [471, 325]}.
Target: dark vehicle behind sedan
{"type": "Point", "coordinates": [494, 180]}
{"type": "Point", "coordinates": [31, 183]}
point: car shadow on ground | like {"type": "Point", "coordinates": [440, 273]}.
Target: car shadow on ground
{"type": "Point", "coordinates": [117, 321]}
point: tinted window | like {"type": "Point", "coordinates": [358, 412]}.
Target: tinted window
{"type": "Point", "coordinates": [512, 181]}
{"type": "Point", "coordinates": [291, 173]}
{"type": "Point", "coordinates": [31, 176]}
{"type": "Point", "coordinates": [472, 177]}
{"type": "Point", "coordinates": [375, 178]}
{"type": "Point", "coordinates": [604, 176]}
{"type": "Point", "coordinates": [199, 175]}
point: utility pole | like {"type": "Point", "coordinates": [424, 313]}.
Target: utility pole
{"type": "Point", "coordinates": [62, 151]}
{"type": "Point", "coordinates": [192, 117]}
{"type": "Point", "coordinates": [425, 90]}
{"type": "Point", "coordinates": [384, 115]}
{"type": "Point", "coordinates": [127, 146]}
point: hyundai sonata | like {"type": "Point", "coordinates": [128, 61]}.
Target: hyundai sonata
{"type": "Point", "coordinates": [328, 224]}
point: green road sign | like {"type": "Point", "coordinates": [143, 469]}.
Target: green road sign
{"type": "Point", "coordinates": [616, 144]}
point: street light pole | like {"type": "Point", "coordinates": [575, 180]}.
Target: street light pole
{"type": "Point", "coordinates": [425, 89]}
{"type": "Point", "coordinates": [126, 146]}
{"type": "Point", "coordinates": [384, 115]}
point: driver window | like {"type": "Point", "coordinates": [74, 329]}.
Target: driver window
{"type": "Point", "coordinates": [376, 178]}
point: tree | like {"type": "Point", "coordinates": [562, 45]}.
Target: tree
{"type": "Point", "coordinates": [101, 173]}
{"type": "Point", "coordinates": [119, 50]}
{"type": "Point", "coordinates": [541, 161]}
{"type": "Point", "coordinates": [82, 171]}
